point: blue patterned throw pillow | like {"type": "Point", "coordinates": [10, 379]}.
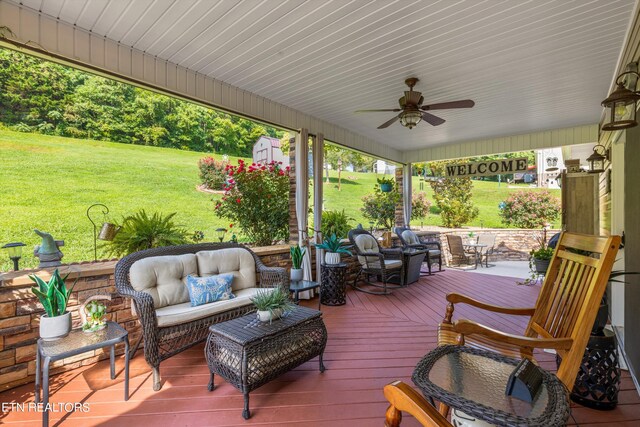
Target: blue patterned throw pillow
{"type": "Point", "coordinates": [203, 290]}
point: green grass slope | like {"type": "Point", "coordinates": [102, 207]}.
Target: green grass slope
{"type": "Point", "coordinates": [49, 182]}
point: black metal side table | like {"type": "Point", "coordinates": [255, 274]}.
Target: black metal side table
{"type": "Point", "coordinates": [598, 381]}
{"type": "Point", "coordinates": [333, 289]}
{"type": "Point", "coordinates": [302, 286]}
{"type": "Point", "coordinates": [75, 343]}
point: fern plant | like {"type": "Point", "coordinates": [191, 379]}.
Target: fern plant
{"type": "Point", "coordinates": [53, 295]}
{"type": "Point", "coordinates": [141, 231]}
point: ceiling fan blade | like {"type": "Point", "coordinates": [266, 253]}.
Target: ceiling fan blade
{"type": "Point", "coordinates": [395, 110]}
{"type": "Point", "coordinates": [390, 122]}
{"type": "Point", "coordinates": [465, 103]}
{"type": "Point", "coordinates": [431, 119]}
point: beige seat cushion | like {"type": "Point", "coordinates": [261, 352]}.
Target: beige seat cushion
{"type": "Point", "coordinates": [237, 261]}
{"type": "Point", "coordinates": [367, 243]}
{"type": "Point", "coordinates": [164, 278]}
{"type": "Point", "coordinates": [410, 237]}
{"type": "Point", "coordinates": [184, 313]}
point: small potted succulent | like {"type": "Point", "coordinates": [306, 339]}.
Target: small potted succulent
{"type": "Point", "coordinates": [93, 313]}
{"type": "Point", "coordinates": [297, 253]}
{"type": "Point", "coordinates": [272, 304]}
{"type": "Point", "coordinates": [386, 184]}
{"type": "Point", "coordinates": [54, 296]}
{"type": "Point", "coordinates": [472, 238]}
{"type": "Point", "coordinates": [334, 247]}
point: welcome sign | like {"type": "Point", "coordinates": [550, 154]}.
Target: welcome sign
{"type": "Point", "coordinates": [487, 168]}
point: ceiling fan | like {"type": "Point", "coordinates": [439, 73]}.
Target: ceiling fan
{"type": "Point", "coordinates": [412, 111]}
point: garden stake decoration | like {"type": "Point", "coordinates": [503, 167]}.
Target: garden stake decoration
{"type": "Point", "coordinates": [107, 232]}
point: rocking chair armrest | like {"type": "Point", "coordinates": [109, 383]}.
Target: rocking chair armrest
{"type": "Point", "coordinates": [468, 327]}
{"type": "Point", "coordinates": [403, 398]}
{"type": "Point", "coordinates": [367, 254]}
{"type": "Point", "coordinates": [455, 298]}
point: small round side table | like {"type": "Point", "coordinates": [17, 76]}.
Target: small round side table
{"type": "Point", "coordinates": [333, 289]}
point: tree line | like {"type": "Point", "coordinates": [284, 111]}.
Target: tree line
{"type": "Point", "coordinates": [41, 96]}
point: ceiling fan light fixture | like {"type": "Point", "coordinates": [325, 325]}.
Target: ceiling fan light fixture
{"type": "Point", "coordinates": [410, 118]}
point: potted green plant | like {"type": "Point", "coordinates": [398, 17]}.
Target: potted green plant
{"type": "Point", "coordinates": [472, 236]}
{"type": "Point", "coordinates": [54, 296]}
{"type": "Point", "coordinates": [297, 253]}
{"type": "Point", "coordinates": [386, 184]}
{"type": "Point", "coordinates": [539, 259]}
{"type": "Point", "coordinates": [272, 304]}
{"type": "Point", "coordinates": [334, 247]}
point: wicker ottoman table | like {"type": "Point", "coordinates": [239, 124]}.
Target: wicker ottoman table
{"type": "Point", "coordinates": [249, 353]}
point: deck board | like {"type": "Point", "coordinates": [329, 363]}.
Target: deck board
{"type": "Point", "coordinates": [373, 340]}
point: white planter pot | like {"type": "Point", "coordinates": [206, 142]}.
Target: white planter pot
{"type": "Point", "coordinates": [267, 316]}
{"type": "Point", "coordinates": [331, 258]}
{"type": "Point", "coordinates": [53, 328]}
{"type": "Point", "coordinates": [296, 274]}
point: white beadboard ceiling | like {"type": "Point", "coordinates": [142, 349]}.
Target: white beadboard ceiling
{"type": "Point", "coordinates": [528, 65]}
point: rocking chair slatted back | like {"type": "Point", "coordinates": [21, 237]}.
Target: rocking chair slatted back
{"type": "Point", "coordinates": [570, 296]}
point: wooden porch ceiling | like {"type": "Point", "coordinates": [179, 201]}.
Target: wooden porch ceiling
{"type": "Point", "coordinates": [373, 340]}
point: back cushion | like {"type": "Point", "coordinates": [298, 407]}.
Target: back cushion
{"type": "Point", "coordinates": [164, 277]}
{"type": "Point", "coordinates": [237, 261]}
{"type": "Point", "coordinates": [366, 243]}
{"type": "Point", "coordinates": [410, 237]}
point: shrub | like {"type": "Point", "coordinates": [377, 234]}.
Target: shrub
{"type": "Point", "coordinates": [453, 197]}
{"type": "Point", "coordinates": [380, 207]}
{"type": "Point", "coordinates": [212, 173]}
{"type": "Point", "coordinates": [336, 222]}
{"type": "Point", "coordinates": [141, 231]}
{"type": "Point", "coordinates": [419, 205]}
{"type": "Point", "coordinates": [256, 198]}
{"type": "Point", "coordinates": [530, 209]}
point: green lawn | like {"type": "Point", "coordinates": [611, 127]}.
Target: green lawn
{"type": "Point", "coordinates": [49, 182]}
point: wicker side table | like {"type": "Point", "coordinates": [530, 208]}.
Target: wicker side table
{"type": "Point", "coordinates": [249, 353]}
{"type": "Point", "coordinates": [474, 381]}
{"type": "Point", "coordinates": [333, 289]}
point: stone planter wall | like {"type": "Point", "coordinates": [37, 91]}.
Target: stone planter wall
{"type": "Point", "coordinates": [511, 244]}
{"type": "Point", "coordinates": [20, 313]}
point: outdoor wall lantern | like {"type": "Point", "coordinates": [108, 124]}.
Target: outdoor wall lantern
{"type": "Point", "coordinates": [620, 106]}
{"type": "Point", "coordinates": [220, 232]}
{"type": "Point", "coordinates": [15, 252]}
{"type": "Point", "coordinates": [597, 158]}
{"type": "Point", "coordinates": [410, 118]}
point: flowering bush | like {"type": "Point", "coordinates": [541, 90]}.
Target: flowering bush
{"type": "Point", "coordinates": [453, 197]}
{"type": "Point", "coordinates": [213, 173]}
{"type": "Point", "coordinates": [380, 207]}
{"type": "Point", "coordinates": [530, 209]}
{"type": "Point", "coordinates": [256, 199]}
{"type": "Point", "coordinates": [419, 205]}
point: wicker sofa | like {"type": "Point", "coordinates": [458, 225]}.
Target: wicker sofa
{"type": "Point", "coordinates": [155, 280]}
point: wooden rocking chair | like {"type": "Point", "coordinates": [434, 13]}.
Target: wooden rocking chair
{"type": "Point", "coordinates": [563, 315]}
{"type": "Point", "coordinates": [403, 398]}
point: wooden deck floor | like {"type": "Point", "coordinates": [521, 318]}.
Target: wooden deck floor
{"type": "Point", "coordinates": [373, 340]}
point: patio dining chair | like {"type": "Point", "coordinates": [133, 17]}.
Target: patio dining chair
{"type": "Point", "coordinates": [490, 241]}
{"type": "Point", "coordinates": [563, 315]}
{"type": "Point", "coordinates": [409, 239]}
{"type": "Point", "coordinates": [376, 261]}
{"type": "Point", "coordinates": [456, 249]}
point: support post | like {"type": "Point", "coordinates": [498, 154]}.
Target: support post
{"type": "Point", "coordinates": [318, 162]}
